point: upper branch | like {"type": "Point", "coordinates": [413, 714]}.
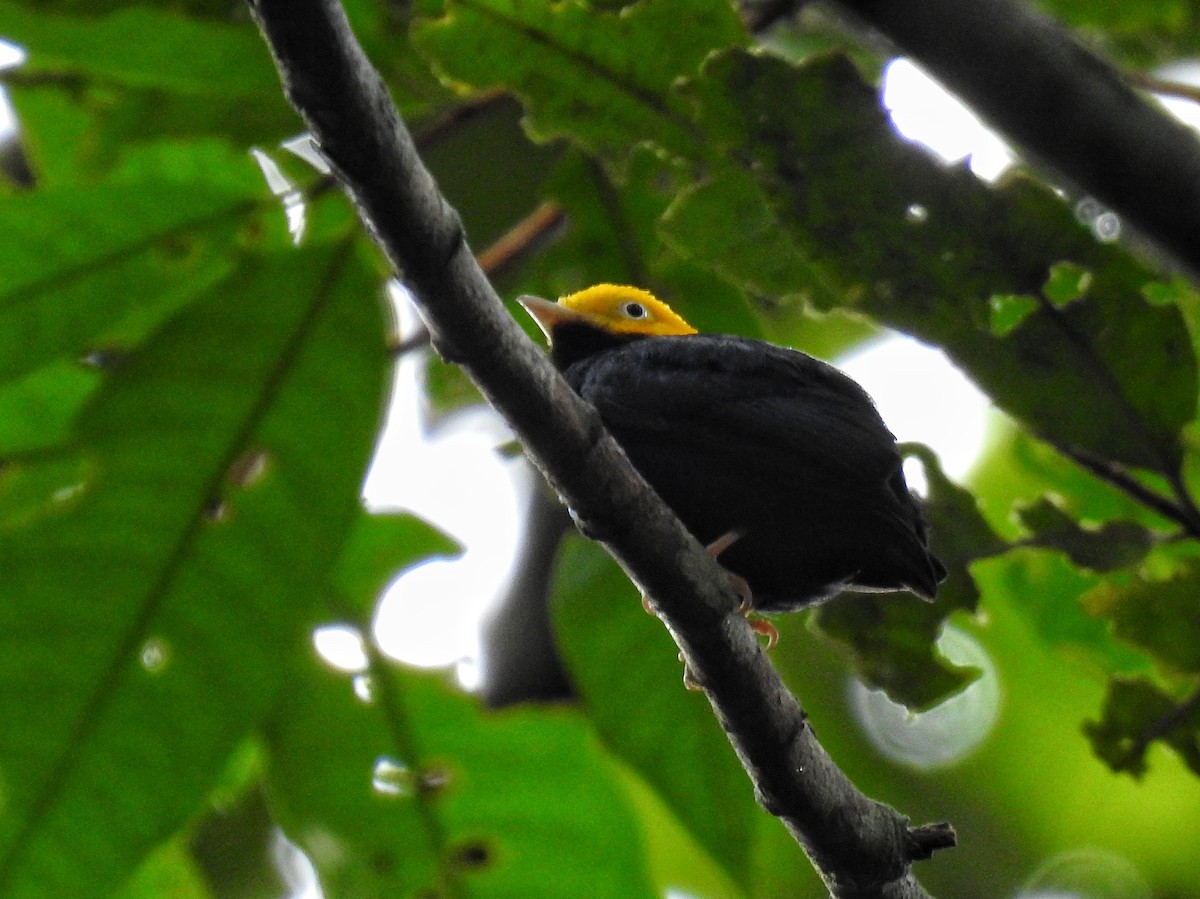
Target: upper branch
{"type": "Point", "coordinates": [861, 847]}
{"type": "Point", "coordinates": [1063, 105]}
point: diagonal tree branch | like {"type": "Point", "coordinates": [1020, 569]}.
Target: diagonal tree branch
{"type": "Point", "coordinates": [861, 847]}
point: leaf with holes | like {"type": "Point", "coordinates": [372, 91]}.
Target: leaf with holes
{"type": "Point", "coordinates": [1094, 366]}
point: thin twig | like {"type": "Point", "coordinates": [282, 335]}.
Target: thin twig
{"type": "Point", "coordinates": [524, 237]}
{"type": "Point", "coordinates": [1114, 474]}
{"type": "Point", "coordinates": [1165, 88]}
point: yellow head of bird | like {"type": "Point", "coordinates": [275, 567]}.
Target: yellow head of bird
{"type": "Point", "coordinates": [611, 307]}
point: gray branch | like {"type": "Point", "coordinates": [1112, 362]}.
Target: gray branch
{"type": "Point", "coordinates": [862, 848]}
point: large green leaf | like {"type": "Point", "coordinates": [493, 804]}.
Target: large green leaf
{"type": "Point", "coordinates": [81, 259]}
{"type": "Point", "coordinates": [602, 79]}
{"type": "Point", "coordinates": [414, 790]}
{"type": "Point", "coordinates": [861, 219]}
{"type": "Point", "coordinates": [629, 678]}
{"type": "Point", "coordinates": [147, 603]}
{"type": "Point", "coordinates": [142, 47]}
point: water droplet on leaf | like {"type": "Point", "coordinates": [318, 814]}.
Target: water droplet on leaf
{"type": "Point", "coordinates": [390, 777]}
{"type": "Point", "coordinates": [154, 655]}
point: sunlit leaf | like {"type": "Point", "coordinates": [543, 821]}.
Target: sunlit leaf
{"type": "Point", "coordinates": [378, 548]}
{"type": "Point", "coordinates": [81, 260]}
{"type": "Point", "coordinates": [186, 55]}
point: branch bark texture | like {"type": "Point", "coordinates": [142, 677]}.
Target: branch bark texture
{"type": "Point", "coordinates": [1063, 105]}
{"type": "Point", "coordinates": [861, 847]}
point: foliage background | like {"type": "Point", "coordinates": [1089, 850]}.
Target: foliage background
{"type": "Point", "coordinates": [188, 403]}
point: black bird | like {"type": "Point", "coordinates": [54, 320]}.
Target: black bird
{"type": "Point", "coordinates": [748, 441]}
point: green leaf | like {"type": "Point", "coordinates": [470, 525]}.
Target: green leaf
{"type": "Point", "coordinates": [376, 551]}
{"type": "Point", "coordinates": [1137, 713]}
{"type": "Point", "coordinates": [36, 411]}
{"type": "Point", "coordinates": [420, 792]}
{"type": "Point", "coordinates": [1109, 372]}
{"type": "Point", "coordinates": [82, 259]}
{"type": "Point", "coordinates": [145, 610]}
{"type": "Point", "coordinates": [629, 678]}
{"type": "Point", "coordinates": [1008, 311]}
{"type": "Point", "coordinates": [188, 56]}
{"type": "Point", "coordinates": [603, 80]}
{"type": "Point", "coordinates": [1160, 616]}
{"type": "Point", "coordinates": [1067, 283]}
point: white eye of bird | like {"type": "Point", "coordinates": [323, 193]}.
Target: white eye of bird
{"type": "Point", "coordinates": [635, 310]}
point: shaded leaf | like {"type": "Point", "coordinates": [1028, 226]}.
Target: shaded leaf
{"type": "Point", "coordinates": [1137, 713]}
{"type": "Point", "coordinates": [1160, 616]}
{"type": "Point", "coordinates": [628, 676]}
{"type": "Point", "coordinates": [128, 675]}
{"type": "Point", "coordinates": [1106, 547]}
{"type": "Point", "coordinates": [612, 73]}
{"type": "Point", "coordinates": [421, 792]}
{"type": "Point", "coordinates": [820, 153]}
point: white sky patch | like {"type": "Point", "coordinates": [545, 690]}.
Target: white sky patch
{"type": "Point", "coordinates": [454, 478]}
{"type": "Point", "coordinates": [923, 397]}
{"type": "Point", "coordinates": [924, 111]}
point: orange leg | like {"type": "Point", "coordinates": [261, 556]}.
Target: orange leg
{"type": "Point", "coordinates": [742, 588]}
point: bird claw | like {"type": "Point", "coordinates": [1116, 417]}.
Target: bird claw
{"type": "Point", "coordinates": [690, 682]}
{"type": "Point", "coordinates": [764, 628]}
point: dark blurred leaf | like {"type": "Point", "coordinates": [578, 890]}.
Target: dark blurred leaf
{"type": "Point", "coordinates": [892, 638]}
{"type": "Point", "coordinates": [419, 792]}
{"type": "Point", "coordinates": [1160, 616]}
{"type": "Point", "coordinates": [629, 678]}
{"type": "Point", "coordinates": [893, 641]}
{"type": "Point", "coordinates": [1106, 547]}
{"type": "Point", "coordinates": [1137, 713]}
{"type": "Point", "coordinates": [816, 160]}
{"type": "Point", "coordinates": [148, 604]}
{"type": "Point", "coordinates": [1141, 35]}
